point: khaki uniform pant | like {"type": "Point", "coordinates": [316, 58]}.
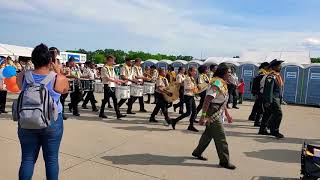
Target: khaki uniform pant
{"type": "Point", "coordinates": [214, 131]}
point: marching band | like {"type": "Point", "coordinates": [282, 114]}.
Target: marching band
{"type": "Point", "coordinates": [133, 83]}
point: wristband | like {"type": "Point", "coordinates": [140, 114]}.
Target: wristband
{"type": "Point", "coordinates": [204, 114]}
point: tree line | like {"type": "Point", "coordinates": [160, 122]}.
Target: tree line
{"type": "Point", "coordinates": [315, 60]}
{"type": "Point", "coordinates": [99, 55]}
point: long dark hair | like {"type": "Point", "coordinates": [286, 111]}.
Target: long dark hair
{"type": "Point", "coordinates": [222, 70]}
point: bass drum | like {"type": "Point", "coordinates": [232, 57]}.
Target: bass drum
{"type": "Point", "coordinates": [123, 92]}
{"type": "Point", "coordinates": [171, 93]}
{"type": "Point", "coordinates": [136, 90]}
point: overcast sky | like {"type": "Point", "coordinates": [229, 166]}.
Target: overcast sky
{"type": "Point", "coordinates": [198, 28]}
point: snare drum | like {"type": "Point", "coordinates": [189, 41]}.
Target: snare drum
{"type": "Point", "coordinates": [87, 85]}
{"type": "Point", "coordinates": [123, 92]}
{"type": "Point", "coordinates": [98, 87]}
{"type": "Point", "coordinates": [71, 86]}
{"type": "Point", "coordinates": [148, 87]}
{"type": "Point", "coordinates": [136, 90]}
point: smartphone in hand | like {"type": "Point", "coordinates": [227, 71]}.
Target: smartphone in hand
{"type": "Point", "coordinates": [53, 54]}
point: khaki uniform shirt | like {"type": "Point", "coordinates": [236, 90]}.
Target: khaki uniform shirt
{"type": "Point", "coordinates": [89, 72]}
{"type": "Point", "coordinates": [189, 86]}
{"type": "Point", "coordinates": [218, 89]}
{"type": "Point", "coordinates": [126, 71]}
{"type": "Point", "coordinates": [108, 71]}
{"type": "Point", "coordinates": [161, 82]}
{"type": "Point", "coordinates": [203, 78]}
{"type": "Point", "coordinates": [180, 78]}
{"type": "Point", "coordinates": [155, 75]}
{"type": "Point", "coordinates": [137, 72]}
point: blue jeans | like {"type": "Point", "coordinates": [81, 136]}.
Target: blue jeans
{"type": "Point", "coordinates": [31, 140]}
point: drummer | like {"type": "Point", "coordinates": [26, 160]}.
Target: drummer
{"type": "Point", "coordinates": [90, 74]}
{"type": "Point", "coordinates": [148, 74]}
{"type": "Point", "coordinates": [154, 77]}
{"type": "Point", "coordinates": [109, 80]}
{"type": "Point", "coordinates": [180, 80]}
{"type": "Point", "coordinates": [126, 75]}
{"type": "Point", "coordinates": [76, 95]}
{"type": "Point", "coordinates": [202, 79]}
{"type": "Point", "coordinates": [161, 84]}
{"type": "Point", "coordinates": [137, 75]}
{"type": "Point", "coordinates": [190, 89]}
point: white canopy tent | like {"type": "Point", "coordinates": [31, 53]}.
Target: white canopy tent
{"type": "Point", "coordinates": [17, 50]}
{"type": "Point", "coordinates": [5, 52]}
{"type": "Point", "coordinates": [299, 57]}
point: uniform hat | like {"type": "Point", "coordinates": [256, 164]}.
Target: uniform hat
{"type": "Point", "coordinates": [275, 62]}
{"type": "Point", "coordinates": [263, 65]}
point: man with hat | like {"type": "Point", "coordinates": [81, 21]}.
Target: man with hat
{"type": "Point", "coordinates": [75, 96]}
{"type": "Point", "coordinates": [90, 73]}
{"type": "Point", "coordinates": [257, 109]}
{"type": "Point", "coordinates": [272, 97]}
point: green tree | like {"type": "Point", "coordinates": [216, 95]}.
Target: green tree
{"type": "Point", "coordinates": [99, 58]}
{"type": "Point", "coordinates": [315, 60]}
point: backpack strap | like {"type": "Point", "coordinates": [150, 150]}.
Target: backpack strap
{"type": "Point", "coordinates": [50, 77]}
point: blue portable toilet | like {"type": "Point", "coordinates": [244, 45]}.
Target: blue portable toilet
{"type": "Point", "coordinates": [149, 63]}
{"type": "Point", "coordinates": [163, 64]}
{"type": "Point", "coordinates": [292, 75]}
{"type": "Point", "coordinates": [178, 63]}
{"type": "Point", "coordinates": [311, 85]}
{"type": "Point", "coordinates": [247, 71]}
{"type": "Point", "coordinates": [196, 64]}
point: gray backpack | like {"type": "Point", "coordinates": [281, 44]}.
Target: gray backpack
{"type": "Point", "coordinates": [35, 108]}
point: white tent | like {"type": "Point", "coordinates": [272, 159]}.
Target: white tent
{"type": "Point", "coordinates": [5, 52]}
{"type": "Point", "coordinates": [17, 50]}
{"type": "Point", "coordinates": [300, 57]}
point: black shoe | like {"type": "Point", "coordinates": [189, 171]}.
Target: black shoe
{"type": "Point", "coordinates": [109, 106]}
{"type": "Point", "coordinates": [70, 107]}
{"type": "Point", "coordinates": [121, 116]}
{"type": "Point", "coordinates": [153, 120]}
{"type": "Point", "coordinates": [76, 114]}
{"type": "Point", "coordinates": [195, 121]}
{"type": "Point", "coordinates": [154, 103]}
{"type": "Point", "coordinates": [102, 116]}
{"type": "Point", "coordinates": [148, 102]}
{"type": "Point", "coordinates": [256, 125]}
{"type": "Point", "coordinates": [84, 107]}
{"type": "Point", "coordinates": [64, 117]}
{"type": "Point", "coordinates": [263, 132]}
{"type": "Point", "coordinates": [3, 111]}
{"type": "Point", "coordinates": [175, 108]}
{"type": "Point", "coordinates": [143, 110]}
{"type": "Point", "coordinates": [173, 124]}
{"type": "Point", "coordinates": [168, 121]}
{"type": "Point", "coordinates": [277, 135]}
{"type": "Point", "coordinates": [227, 165]}
{"type": "Point", "coordinates": [251, 118]}
{"type": "Point", "coordinates": [192, 128]}
{"type": "Point", "coordinates": [95, 101]}
{"type": "Point", "coordinates": [130, 112]}
{"type": "Point", "coordinates": [199, 157]}
{"type": "Point", "coordinates": [235, 107]}
{"type": "Point", "coordinates": [95, 109]}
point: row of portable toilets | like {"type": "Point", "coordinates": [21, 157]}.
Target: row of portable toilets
{"type": "Point", "coordinates": [301, 83]}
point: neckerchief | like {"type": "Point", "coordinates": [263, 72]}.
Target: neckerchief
{"type": "Point", "coordinates": [278, 77]}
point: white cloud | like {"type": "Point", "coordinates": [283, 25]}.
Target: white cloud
{"type": "Point", "coordinates": [311, 43]}
{"type": "Point", "coordinates": [172, 28]}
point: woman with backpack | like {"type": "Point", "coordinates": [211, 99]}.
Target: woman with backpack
{"type": "Point", "coordinates": [45, 134]}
